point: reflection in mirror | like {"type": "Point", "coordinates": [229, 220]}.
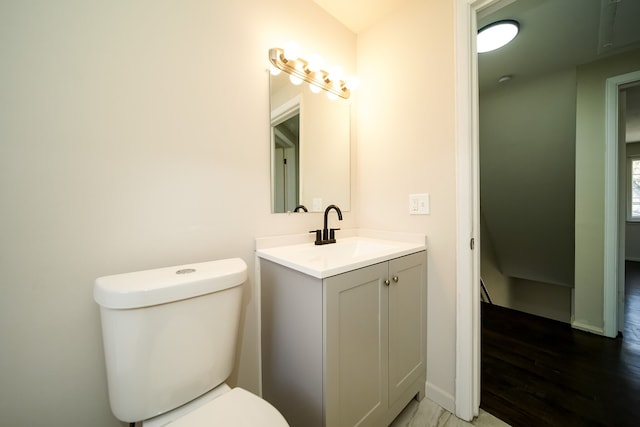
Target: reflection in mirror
{"type": "Point", "coordinates": [286, 152]}
{"type": "Point", "coordinates": [310, 148]}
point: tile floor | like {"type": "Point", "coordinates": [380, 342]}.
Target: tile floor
{"type": "Point", "coordinates": [428, 414]}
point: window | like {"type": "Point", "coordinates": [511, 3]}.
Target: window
{"type": "Point", "coordinates": [633, 195]}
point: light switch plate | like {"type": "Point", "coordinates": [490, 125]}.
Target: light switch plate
{"type": "Point", "coordinates": [419, 204]}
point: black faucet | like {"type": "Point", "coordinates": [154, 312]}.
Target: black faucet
{"type": "Point", "coordinates": [328, 234]}
{"type": "Point", "coordinates": [300, 207]}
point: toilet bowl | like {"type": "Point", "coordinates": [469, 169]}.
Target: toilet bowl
{"type": "Point", "coordinates": [169, 339]}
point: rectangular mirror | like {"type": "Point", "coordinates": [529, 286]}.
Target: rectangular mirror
{"type": "Point", "coordinates": [310, 148]}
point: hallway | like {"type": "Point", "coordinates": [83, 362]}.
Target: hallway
{"type": "Point", "coordinates": [540, 372]}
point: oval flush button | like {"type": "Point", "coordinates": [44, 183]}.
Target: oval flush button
{"type": "Point", "coordinates": [186, 271]}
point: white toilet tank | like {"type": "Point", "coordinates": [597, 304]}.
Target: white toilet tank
{"type": "Point", "coordinates": [169, 334]}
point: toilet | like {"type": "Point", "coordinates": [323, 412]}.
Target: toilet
{"type": "Point", "coordinates": [169, 339]}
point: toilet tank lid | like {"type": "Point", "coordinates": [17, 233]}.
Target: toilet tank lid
{"type": "Point", "coordinates": [162, 285]}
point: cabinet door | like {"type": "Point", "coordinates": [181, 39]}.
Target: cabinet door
{"type": "Point", "coordinates": [407, 322]}
{"type": "Point", "coordinates": [355, 347]}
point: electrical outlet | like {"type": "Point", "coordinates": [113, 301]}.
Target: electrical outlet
{"type": "Point", "coordinates": [317, 204]}
{"type": "Point", "coordinates": [419, 204]}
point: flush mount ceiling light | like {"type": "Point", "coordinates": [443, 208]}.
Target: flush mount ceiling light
{"type": "Point", "coordinates": [301, 70]}
{"type": "Point", "coordinates": [497, 34]}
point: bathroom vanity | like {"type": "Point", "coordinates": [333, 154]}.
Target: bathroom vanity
{"type": "Point", "coordinates": [343, 330]}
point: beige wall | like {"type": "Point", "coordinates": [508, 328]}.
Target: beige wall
{"type": "Point", "coordinates": [590, 151]}
{"type": "Point", "coordinates": [127, 143]}
{"type": "Point", "coordinates": [325, 151]}
{"type": "Point", "coordinates": [406, 145]}
{"type": "Point", "coordinates": [133, 135]}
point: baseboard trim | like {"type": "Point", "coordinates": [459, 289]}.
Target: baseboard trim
{"type": "Point", "coordinates": [587, 328]}
{"type": "Point", "coordinates": [441, 397]}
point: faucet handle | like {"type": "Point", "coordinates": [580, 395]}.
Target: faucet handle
{"type": "Point", "coordinates": [332, 233]}
{"type": "Point", "coordinates": [318, 236]}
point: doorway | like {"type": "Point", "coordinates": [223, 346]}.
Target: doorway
{"type": "Point", "coordinates": [626, 114]}
{"type": "Point", "coordinates": [468, 280]}
{"type": "Point", "coordinates": [285, 156]}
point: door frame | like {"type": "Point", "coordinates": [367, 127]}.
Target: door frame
{"type": "Point", "coordinates": [613, 277]}
{"type": "Point", "coordinates": [467, 380]}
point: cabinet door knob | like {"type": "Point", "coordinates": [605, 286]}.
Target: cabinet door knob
{"type": "Point", "coordinates": [395, 279]}
{"type": "Point", "coordinates": [386, 282]}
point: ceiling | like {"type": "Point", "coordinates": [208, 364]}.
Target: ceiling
{"type": "Point", "coordinates": [358, 15]}
{"type": "Point", "coordinates": [562, 34]}
{"type": "Point", "coordinates": [554, 34]}
{"type": "Point", "coordinates": [559, 34]}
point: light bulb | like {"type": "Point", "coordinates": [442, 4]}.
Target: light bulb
{"type": "Point", "coordinates": [496, 35]}
{"type": "Point", "coordinates": [291, 50]}
{"type": "Point", "coordinates": [295, 80]}
{"type": "Point", "coordinates": [353, 82]}
{"type": "Point", "coordinates": [335, 73]}
{"type": "Point", "coordinates": [315, 88]}
{"type": "Point", "coordinates": [315, 63]}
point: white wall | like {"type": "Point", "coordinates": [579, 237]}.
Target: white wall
{"type": "Point", "coordinates": [497, 284]}
{"type": "Point", "coordinates": [530, 296]}
{"type": "Point", "coordinates": [527, 169]}
{"type": "Point", "coordinates": [590, 151]}
{"type": "Point", "coordinates": [406, 145]}
{"type": "Point", "coordinates": [540, 298]}
{"type": "Point", "coordinates": [527, 172]}
{"type": "Point", "coordinates": [632, 228]}
{"type": "Point", "coordinates": [632, 241]}
{"type": "Point", "coordinates": [325, 151]}
{"type": "Point", "coordinates": [133, 135]}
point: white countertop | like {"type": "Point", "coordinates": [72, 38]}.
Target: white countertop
{"type": "Point", "coordinates": [360, 249]}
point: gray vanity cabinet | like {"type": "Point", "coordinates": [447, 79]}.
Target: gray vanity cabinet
{"type": "Point", "coordinates": [346, 350]}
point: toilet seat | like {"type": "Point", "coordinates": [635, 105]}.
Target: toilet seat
{"type": "Point", "coordinates": [237, 408]}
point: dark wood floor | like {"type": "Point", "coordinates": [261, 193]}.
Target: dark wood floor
{"type": "Point", "coordinates": [540, 372]}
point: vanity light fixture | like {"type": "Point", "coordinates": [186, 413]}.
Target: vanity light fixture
{"type": "Point", "coordinates": [308, 71]}
{"type": "Point", "coordinates": [497, 34]}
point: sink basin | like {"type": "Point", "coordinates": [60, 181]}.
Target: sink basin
{"type": "Point", "coordinates": [347, 254]}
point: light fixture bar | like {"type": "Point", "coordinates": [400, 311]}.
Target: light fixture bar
{"type": "Point", "coordinates": [300, 68]}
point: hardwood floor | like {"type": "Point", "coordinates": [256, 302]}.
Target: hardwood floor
{"type": "Point", "coordinates": [631, 332]}
{"type": "Point", "coordinates": [540, 372]}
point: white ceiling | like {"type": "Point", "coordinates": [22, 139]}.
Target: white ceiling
{"type": "Point", "coordinates": [554, 34]}
{"type": "Point", "coordinates": [559, 34]}
{"type": "Point", "coordinates": [358, 15]}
